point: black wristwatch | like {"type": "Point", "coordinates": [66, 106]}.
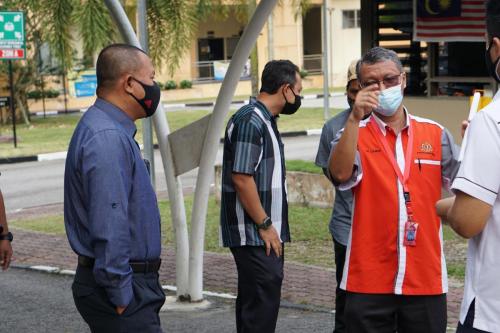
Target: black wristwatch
{"type": "Point", "coordinates": [8, 236]}
{"type": "Point", "coordinates": [265, 224]}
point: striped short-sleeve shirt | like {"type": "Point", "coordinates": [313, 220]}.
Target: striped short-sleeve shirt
{"type": "Point", "coordinates": [253, 146]}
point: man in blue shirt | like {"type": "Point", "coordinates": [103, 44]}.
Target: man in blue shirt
{"type": "Point", "coordinates": [254, 207]}
{"type": "Point", "coordinates": [110, 208]}
{"type": "Point", "coordinates": [340, 222]}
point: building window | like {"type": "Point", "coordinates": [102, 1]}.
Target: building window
{"type": "Point", "coordinates": [350, 19]}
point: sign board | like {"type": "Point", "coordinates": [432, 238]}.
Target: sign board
{"type": "Point", "coordinates": [4, 100]}
{"type": "Point", "coordinates": [85, 88]}
{"type": "Point", "coordinates": [187, 144]}
{"type": "Point", "coordinates": [221, 67]}
{"type": "Point", "coordinates": [12, 36]}
{"type": "Point", "coordinates": [83, 84]}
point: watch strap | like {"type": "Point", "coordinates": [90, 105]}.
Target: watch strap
{"type": "Point", "coordinates": [8, 236]}
{"type": "Point", "coordinates": [266, 223]}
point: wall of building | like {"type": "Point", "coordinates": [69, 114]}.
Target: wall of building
{"type": "Point", "coordinates": [345, 44]}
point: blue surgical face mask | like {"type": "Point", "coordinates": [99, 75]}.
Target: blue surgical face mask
{"type": "Point", "coordinates": [389, 101]}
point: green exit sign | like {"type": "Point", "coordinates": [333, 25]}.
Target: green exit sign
{"type": "Point", "coordinates": [12, 35]}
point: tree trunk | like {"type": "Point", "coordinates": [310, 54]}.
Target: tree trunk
{"type": "Point", "coordinates": [24, 110]}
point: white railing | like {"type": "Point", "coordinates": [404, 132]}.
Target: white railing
{"type": "Point", "coordinates": [313, 63]}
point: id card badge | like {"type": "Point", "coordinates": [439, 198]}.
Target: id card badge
{"type": "Point", "coordinates": [410, 233]}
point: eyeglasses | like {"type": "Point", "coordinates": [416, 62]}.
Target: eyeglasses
{"type": "Point", "coordinates": [388, 82]}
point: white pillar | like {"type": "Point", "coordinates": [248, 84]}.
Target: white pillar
{"type": "Point", "coordinates": [147, 126]}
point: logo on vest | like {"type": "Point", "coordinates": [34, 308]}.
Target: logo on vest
{"type": "Point", "coordinates": [373, 150]}
{"type": "Point", "coordinates": [426, 147]}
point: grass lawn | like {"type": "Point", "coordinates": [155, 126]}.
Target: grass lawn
{"type": "Point", "coordinates": [311, 240]}
{"type": "Point", "coordinates": [312, 243]}
{"type": "Point", "coordinates": [53, 133]}
{"type": "Point", "coordinates": [303, 166]}
{"type": "Point", "coordinates": [317, 91]}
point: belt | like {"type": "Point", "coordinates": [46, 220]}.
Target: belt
{"type": "Point", "coordinates": [151, 266]}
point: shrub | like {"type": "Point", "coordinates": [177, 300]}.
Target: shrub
{"type": "Point", "coordinates": [51, 93]}
{"type": "Point", "coordinates": [186, 84]}
{"type": "Point", "coordinates": [37, 94]}
{"type": "Point", "coordinates": [170, 84]}
{"type": "Point", "coordinates": [303, 73]}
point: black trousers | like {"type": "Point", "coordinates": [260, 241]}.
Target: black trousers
{"type": "Point", "coordinates": [259, 289]}
{"type": "Point", "coordinates": [340, 295]}
{"type": "Point", "coordinates": [467, 326]}
{"type": "Point", "coordinates": [141, 315]}
{"type": "Point", "coordinates": [381, 313]}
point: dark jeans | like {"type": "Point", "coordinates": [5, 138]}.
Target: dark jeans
{"type": "Point", "coordinates": [381, 313]}
{"type": "Point", "coordinates": [467, 326]}
{"type": "Point", "coordinates": [141, 315]}
{"type": "Point", "coordinates": [340, 294]}
{"type": "Point", "coordinates": [259, 289]}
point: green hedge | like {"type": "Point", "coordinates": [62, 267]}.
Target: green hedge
{"type": "Point", "coordinates": [37, 94]}
{"type": "Point", "coordinates": [186, 84]}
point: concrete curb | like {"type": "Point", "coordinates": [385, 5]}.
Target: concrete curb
{"type": "Point", "coordinates": [187, 307]}
{"type": "Point", "coordinates": [57, 112]}
{"type": "Point", "coordinates": [61, 155]}
{"type": "Point", "coordinates": [172, 105]}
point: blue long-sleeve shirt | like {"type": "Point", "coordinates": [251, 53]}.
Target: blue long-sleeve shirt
{"type": "Point", "coordinates": [110, 208]}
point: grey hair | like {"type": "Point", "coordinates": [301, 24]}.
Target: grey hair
{"type": "Point", "coordinates": [378, 54]}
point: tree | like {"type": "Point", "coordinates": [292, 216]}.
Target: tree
{"type": "Point", "coordinates": [52, 21]}
{"type": "Point", "coordinates": [175, 20]}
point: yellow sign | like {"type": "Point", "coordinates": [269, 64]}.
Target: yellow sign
{"type": "Point", "coordinates": [483, 101]}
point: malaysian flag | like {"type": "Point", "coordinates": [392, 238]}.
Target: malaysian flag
{"type": "Point", "coordinates": [449, 20]}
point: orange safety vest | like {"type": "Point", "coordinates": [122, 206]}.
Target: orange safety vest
{"type": "Point", "coordinates": [377, 261]}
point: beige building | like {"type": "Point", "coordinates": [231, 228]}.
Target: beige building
{"type": "Point", "coordinates": [285, 36]}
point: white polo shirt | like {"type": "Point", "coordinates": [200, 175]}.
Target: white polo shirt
{"type": "Point", "coordinates": [479, 176]}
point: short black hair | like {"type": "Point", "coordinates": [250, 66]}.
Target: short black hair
{"type": "Point", "coordinates": [493, 18]}
{"type": "Point", "coordinates": [277, 73]}
{"type": "Point", "coordinates": [115, 60]}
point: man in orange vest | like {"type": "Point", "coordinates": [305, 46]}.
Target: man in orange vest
{"type": "Point", "coordinates": [395, 164]}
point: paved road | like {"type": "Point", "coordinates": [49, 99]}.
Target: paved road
{"type": "Point", "coordinates": [40, 183]}
{"type": "Point", "coordinates": [336, 102]}
{"type": "Point", "coordinates": [34, 302]}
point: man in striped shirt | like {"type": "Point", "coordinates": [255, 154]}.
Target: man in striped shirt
{"type": "Point", "coordinates": [254, 208]}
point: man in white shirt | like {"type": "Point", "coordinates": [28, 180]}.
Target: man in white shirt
{"type": "Point", "coordinates": [475, 211]}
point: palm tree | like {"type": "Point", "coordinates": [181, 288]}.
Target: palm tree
{"type": "Point", "coordinates": [172, 25]}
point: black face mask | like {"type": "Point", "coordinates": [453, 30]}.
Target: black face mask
{"type": "Point", "coordinates": [492, 67]}
{"type": "Point", "coordinates": [290, 108]}
{"type": "Point", "coordinates": [151, 98]}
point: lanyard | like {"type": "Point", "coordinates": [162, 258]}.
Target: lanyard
{"type": "Point", "coordinates": [403, 178]}
{"type": "Point", "coordinates": [410, 229]}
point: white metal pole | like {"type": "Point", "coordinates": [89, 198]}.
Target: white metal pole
{"type": "Point", "coordinates": [174, 185]}
{"type": "Point", "coordinates": [211, 144]}
{"type": "Point", "coordinates": [147, 126]}
{"type": "Point", "coordinates": [326, 90]}
{"type": "Point", "coordinates": [270, 37]}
